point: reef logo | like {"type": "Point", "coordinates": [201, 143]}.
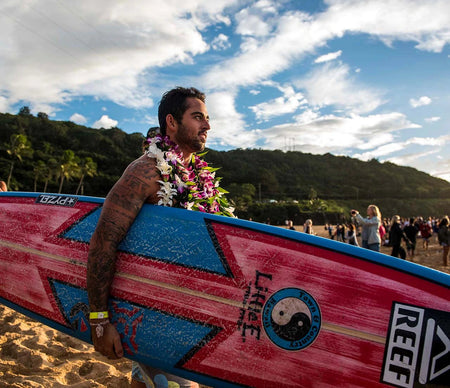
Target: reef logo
{"type": "Point", "coordinates": [291, 319]}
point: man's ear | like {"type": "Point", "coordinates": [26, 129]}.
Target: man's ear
{"type": "Point", "coordinates": [171, 125]}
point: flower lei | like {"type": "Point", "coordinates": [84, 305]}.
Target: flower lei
{"type": "Point", "coordinates": [192, 188]}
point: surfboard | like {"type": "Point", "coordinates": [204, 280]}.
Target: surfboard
{"type": "Point", "coordinates": [229, 302]}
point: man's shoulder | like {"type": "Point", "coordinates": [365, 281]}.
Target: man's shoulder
{"type": "Point", "coordinates": [140, 178]}
{"type": "Point", "coordinates": [144, 163]}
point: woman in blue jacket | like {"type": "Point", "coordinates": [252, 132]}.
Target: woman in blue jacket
{"type": "Point", "coordinates": [370, 234]}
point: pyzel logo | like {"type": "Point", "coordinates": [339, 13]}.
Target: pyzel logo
{"type": "Point", "coordinates": [59, 200]}
{"type": "Point", "coordinates": [291, 319]}
{"type": "Point", "coordinates": [418, 347]}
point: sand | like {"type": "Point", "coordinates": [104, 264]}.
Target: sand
{"type": "Point", "coordinates": [34, 355]}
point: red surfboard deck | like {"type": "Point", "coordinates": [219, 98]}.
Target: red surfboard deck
{"type": "Point", "coordinates": [232, 303]}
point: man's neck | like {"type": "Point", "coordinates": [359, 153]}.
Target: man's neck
{"type": "Point", "coordinates": [187, 160]}
{"type": "Point", "coordinates": [187, 155]}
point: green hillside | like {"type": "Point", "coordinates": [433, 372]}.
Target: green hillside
{"type": "Point", "coordinates": [50, 155]}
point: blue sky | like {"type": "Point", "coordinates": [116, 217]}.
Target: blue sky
{"type": "Point", "coordinates": [367, 79]}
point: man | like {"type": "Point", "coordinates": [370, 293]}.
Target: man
{"type": "Point", "coordinates": [184, 119]}
{"type": "Point", "coordinates": [425, 232]}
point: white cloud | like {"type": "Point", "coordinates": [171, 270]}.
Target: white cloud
{"type": "Point", "coordinates": [97, 48]}
{"type": "Point", "coordinates": [385, 149]}
{"type": "Point", "coordinates": [288, 103]}
{"type": "Point", "coordinates": [328, 57]}
{"type": "Point", "coordinates": [423, 22]}
{"type": "Point", "coordinates": [220, 42]}
{"type": "Point", "coordinates": [105, 122]}
{"type": "Point", "coordinates": [333, 85]}
{"type": "Point", "coordinates": [78, 118]}
{"type": "Point", "coordinates": [337, 134]}
{"type": "Point", "coordinates": [306, 117]}
{"type": "Point", "coordinates": [432, 119]}
{"type": "Point", "coordinates": [442, 170]}
{"type": "Point", "coordinates": [417, 153]}
{"type": "Point", "coordinates": [4, 104]}
{"type": "Point", "coordinates": [296, 34]}
{"type": "Point", "coordinates": [227, 124]}
{"type": "Point", "coordinates": [413, 159]}
{"type": "Point", "coordinates": [430, 141]}
{"type": "Point", "coordinates": [425, 161]}
{"type": "Point", "coordinates": [256, 19]}
{"type": "Point", "coordinates": [422, 101]}
{"type": "Point", "coordinates": [262, 58]}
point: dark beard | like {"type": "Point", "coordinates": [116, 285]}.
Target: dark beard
{"type": "Point", "coordinates": [182, 139]}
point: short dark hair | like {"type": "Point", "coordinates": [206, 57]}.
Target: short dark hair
{"type": "Point", "coordinates": [174, 102]}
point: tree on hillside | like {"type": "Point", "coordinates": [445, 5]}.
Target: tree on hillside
{"type": "Point", "coordinates": [87, 167]}
{"type": "Point", "coordinates": [39, 171]}
{"type": "Point", "coordinates": [18, 147]}
{"type": "Point", "coordinates": [51, 170]}
{"type": "Point", "coordinates": [25, 111]}
{"type": "Point", "coordinates": [68, 167]}
{"type": "Point", "coordinates": [242, 195]}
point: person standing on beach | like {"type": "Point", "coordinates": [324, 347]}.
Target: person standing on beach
{"type": "Point", "coordinates": [307, 227]}
{"type": "Point", "coordinates": [444, 239]}
{"type": "Point", "coordinates": [351, 235]}
{"type": "Point", "coordinates": [425, 232]}
{"type": "Point", "coordinates": [370, 234]}
{"type": "Point", "coordinates": [184, 126]}
{"type": "Point", "coordinates": [396, 234]}
{"type": "Point", "coordinates": [411, 230]}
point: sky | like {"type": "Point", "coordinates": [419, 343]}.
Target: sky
{"type": "Point", "coordinates": [361, 78]}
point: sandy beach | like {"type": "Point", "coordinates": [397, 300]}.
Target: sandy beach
{"type": "Point", "coordinates": [34, 355]}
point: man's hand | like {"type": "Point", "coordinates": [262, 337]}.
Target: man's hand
{"type": "Point", "coordinates": [109, 344]}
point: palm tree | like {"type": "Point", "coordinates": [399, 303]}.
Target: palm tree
{"type": "Point", "coordinates": [18, 147]}
{"type": "Point", "coordinates": [87, 167]}
{"type": "Point", "coordinates": [68, 167]}
{"type": "Point", "coordinates": [52, 170]}
{"type": "Point", "coordinates": [39, 171]}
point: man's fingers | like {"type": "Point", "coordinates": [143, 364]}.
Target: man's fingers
{"type": "Point", "coordinates": [109, 343]}
{"type": "Point", "coordinates": [118, 348]}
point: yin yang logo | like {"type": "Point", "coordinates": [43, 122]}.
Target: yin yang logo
{"type": "Point", "coordinates": [292, 319]}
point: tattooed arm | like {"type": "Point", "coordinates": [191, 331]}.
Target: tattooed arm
{"type": "Point", "coordinates": [138, 185]}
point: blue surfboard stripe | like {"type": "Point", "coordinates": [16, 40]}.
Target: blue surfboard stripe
{"type": "Point", "coordinates": [180, 241]}
{"type": "Point", "coordinates": [184, 335]}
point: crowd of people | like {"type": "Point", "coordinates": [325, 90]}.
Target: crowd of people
{"type": "Point", "coordinates": [375, 231]}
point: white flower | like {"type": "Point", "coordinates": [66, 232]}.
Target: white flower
{"type": "Point", "coordinates": [173, 157]}
{"type": "Point", "coordinates": [188, 205]}
{"type": "Point", "coordinates": [167, 188]}
{"type": "Point", "coordinates": [166, 193]}
{"type": "Point", "coordinates": [180, 184]}
{"type": "Point", "coordinates": [163, 166]}
{"type": "Point", "coordinates": [155, 152]}
{"type": "Point", "coordinates": [230, 210]}
{"type": "Point", "coordinates": [165, 201]}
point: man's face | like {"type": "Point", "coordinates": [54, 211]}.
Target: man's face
{"type": "Point", "coordinates": [191, 134]}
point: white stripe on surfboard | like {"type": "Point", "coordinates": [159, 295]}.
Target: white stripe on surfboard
{"type": "Point", "coordinates": [326, 326]}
